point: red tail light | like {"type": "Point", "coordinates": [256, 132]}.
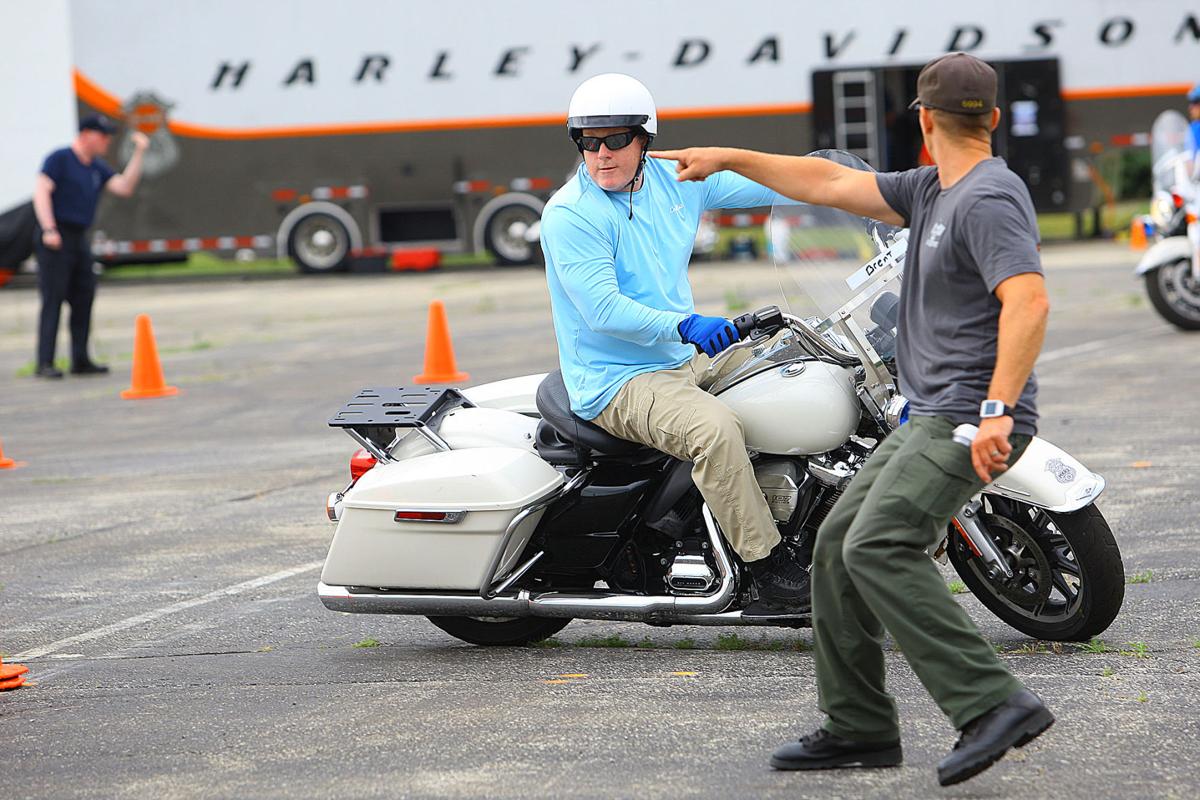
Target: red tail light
{"type": "Point", "coordinates": [360, 463]}
{"type": "Point", "coordinates": [1177, 199]}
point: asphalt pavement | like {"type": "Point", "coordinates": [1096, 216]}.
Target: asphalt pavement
{"type": "Point", "coordinates": [158, 564]}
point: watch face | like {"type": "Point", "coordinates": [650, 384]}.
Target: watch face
{"type": "Point", "coordinates": [991, 408]}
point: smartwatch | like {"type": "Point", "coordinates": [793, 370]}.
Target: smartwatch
{"type": "Point", "coordinates": [989, 409]}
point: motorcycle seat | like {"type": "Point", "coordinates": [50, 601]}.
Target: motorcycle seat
{"type": "Point", "coordinates": [555, 408]}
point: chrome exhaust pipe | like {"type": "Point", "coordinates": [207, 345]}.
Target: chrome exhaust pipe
{"type": "Point", "coordinates": [592, 605]}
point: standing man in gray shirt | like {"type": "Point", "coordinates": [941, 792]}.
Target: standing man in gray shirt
{"type": "Point", "coordinates": [972, 319]}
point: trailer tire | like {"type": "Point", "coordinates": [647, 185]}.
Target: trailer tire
{"type": "Point", "coordinates": [319, 243]}
{"type": "Point", "coordinates": [501, 227]}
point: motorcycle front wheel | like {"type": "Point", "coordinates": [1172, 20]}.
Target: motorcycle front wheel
{"type": "Point", "coordinates": [1175, 295]}
{"type": "Point", "coordinates": [1068, 581]}
{"type": "Point", "coordinates": [500, 632]}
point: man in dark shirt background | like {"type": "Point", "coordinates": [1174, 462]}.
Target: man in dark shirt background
{"type": "Point", "coordinates": [65, 196]}
{"type": "Point", "coordinates": [972, 320]}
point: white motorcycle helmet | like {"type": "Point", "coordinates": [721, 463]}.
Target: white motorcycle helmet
{"type": "Point", "coordinates": [611, 100]}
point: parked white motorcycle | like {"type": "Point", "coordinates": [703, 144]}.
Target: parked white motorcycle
{"type": "Point", "coordinates": [1171, 267]}
{"type": "Point", "coordinates": [501, 516]}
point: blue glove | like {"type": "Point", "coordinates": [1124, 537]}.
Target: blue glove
{"type": "Point", "coordinates": [710, 335]}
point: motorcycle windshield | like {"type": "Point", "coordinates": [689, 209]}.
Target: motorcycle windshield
{"type": "Point", "coordinates": [834, 266]}
{"type": "Point", "coordinates": [1170, 150]}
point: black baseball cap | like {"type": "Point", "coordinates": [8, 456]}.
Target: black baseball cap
{"type": "Point", "coordinates": [98, 122]}
{"type": "Point", "coordinates": [958, 83]}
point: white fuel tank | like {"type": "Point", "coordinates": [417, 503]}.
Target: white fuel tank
{"type": "Point", "coordinates": [801, 408]}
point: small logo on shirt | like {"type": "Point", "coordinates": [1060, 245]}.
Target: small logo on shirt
{"type": "Point", "coordinates": [935, 234]}
{"type": "Point", "coordinates": [677, 210]}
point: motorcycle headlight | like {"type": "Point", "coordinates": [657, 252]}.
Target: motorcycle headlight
{"type": "Point", "coordinates": [1161, 211]}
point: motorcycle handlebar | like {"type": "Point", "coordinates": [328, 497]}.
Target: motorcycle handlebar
{"type": "Point", "coordinates": [760, 324]}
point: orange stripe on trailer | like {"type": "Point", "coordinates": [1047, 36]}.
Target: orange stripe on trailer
{"type": "Point", "coordinates": [175, 244]}
{"type": "Point", "coordinates": [244, 241]}
{"type": "Point", "coordinates": [95, 96]}
{"type": "Point", "coordinates": [1120, 92]}
{"type": "Point", "coordinates": [284, 195]}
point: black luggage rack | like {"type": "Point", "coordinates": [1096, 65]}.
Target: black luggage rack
{"type": "Point", "coordinates": [378, 418]}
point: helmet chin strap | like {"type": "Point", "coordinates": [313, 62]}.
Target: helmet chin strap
{"type": "Point", "coordinates": [637, 174]}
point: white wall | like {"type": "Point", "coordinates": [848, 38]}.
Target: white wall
{"type": "Point", "coordinates": [37, 99]}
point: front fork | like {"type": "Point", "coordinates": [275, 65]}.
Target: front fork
{"type": "Point", "coordinates": [1193, 234]}
{"type": "Point", "coordinates": [966, 523]}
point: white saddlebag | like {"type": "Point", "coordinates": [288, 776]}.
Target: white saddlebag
{"type": "Point", "coordinates": [484, 487]}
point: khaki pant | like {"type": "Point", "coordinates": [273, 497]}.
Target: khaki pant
{"type": "Point", "coordinates": [871, 573]}
{"type": "Point", "coordinates": [672, 411]}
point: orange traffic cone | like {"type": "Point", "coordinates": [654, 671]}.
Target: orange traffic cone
{"type": "Point", "coordinates": [12, 676]}
{"type": "Point", "coordinates": [439, 353]}
{"type": "Point", "coordinates": [1137, 234]}
{"type": "Point", "coordinates": [147, 379]}
{"type": "Point", "coordinates": [8, 463]}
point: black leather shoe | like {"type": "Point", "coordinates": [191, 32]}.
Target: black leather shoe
{"type": "Point", "coordinates": [48, 371]}
{"type": "Point", "coordinates": [1014, 723]}
{"type": "Point", "coordinates": [825, 750]}
{"type": "Point", "coordinates": [782, 584]}
{"type": "Point", "coordinates": [89, 368]}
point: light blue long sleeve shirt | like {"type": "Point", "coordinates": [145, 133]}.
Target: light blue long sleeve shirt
{"type": "Point", "coordinates": [618, 286]}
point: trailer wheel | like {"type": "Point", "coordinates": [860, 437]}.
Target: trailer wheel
{"type": "Point", "coordinates": [508, 228]}
{"type": "Point", "coordinates": [319, 243]}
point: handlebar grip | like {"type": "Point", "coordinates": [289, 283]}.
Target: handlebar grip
{"type": "Point", "coordinates": [759, 324]}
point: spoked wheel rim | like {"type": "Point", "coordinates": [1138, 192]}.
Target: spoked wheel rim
{"type": "Point", "coordinates": [508, 232]}
{"type": "Point", "coordinates": [1180, 289]}
{"type": "Point", "coordinates": [1047, 582]}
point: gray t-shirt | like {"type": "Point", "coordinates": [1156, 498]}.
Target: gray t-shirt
{"type": "Point", "coordinates": [963, 242]}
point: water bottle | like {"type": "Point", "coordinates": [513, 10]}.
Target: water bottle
{"type": "Point", "coordinates": [965, 434]}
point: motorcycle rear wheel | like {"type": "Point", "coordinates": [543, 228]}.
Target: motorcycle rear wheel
{"type": "Point", "coordinates": [497, 632]}
{"type": "Point", "coordinates": [1068, 580]}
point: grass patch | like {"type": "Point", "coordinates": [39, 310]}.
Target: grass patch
{"type": "Point", "coordinates": [1029, 649]}
{"type": "Point", "coordinates": [1094, 646]}
{"type": "Point", "coordinates": [1107, 672]}
{"type": "Point", "coordinates": [1136, 650]}
{"type": "Point", "coordinates": [956, 587]}
{"type": "Point", "coordinates": [548, 643]}
{"type": "Point", "coordinates": [1114, 219]}
{"type": "Point", "coordinates": [200, 264]}
{"type": "Point", "coordinates": [613, 640]}
{"type": "Point", "coordinates": [1141, 577]}
{"type": "Point", "coordinates": [367, 643]}
{"type": "Point", "coordinates": [1143, 697]}
{"type": "Point", "coordinates": [731, 641]}
{"type": "Point", "coordinates": [690, 644]}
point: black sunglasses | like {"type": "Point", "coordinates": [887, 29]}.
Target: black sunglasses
{"type": "Point", "coordinates": [614, 141]}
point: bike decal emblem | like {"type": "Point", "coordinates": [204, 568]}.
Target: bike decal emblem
{"type": "Point", "coordinates": [148, 113]}
{"type": "Point", "coordinates": [1061, 472]}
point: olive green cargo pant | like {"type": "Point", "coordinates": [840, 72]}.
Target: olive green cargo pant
{"type": "Point", "coordinates": [672, 411]}
{"type": "Point", "coordinates": [871, 573]}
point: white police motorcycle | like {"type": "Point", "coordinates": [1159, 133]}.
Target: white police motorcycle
{"type": "Point", "coordinates": [501, 516]}
{"type": "Point", "coordinates": [1171, 267]}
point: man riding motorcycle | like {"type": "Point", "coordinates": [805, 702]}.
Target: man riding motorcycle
{"type": "Point", "coordinates": [617, 240]}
